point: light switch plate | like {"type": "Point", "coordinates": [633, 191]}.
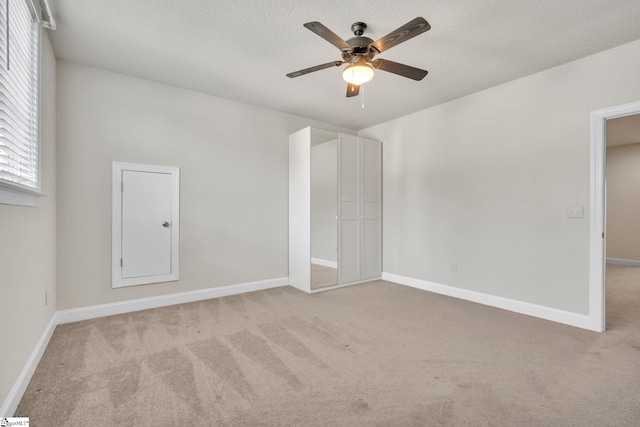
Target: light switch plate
{"type": "Point", "coordinates": [575, 212]}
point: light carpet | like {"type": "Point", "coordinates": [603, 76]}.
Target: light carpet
{"type": "Point", "coordinates": [376, 354]}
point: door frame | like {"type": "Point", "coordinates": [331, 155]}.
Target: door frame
{"type": "Point", "coordinates": [116, 224]}
{"type": "Point", "coordinates": [597, 237]}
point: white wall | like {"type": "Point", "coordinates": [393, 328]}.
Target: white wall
{"type": "Point", "coordinates": [28, 250]}
{"type": "Point", "coordinates": [623, 202]}
{"type": "Point", "coordinates": [234, 175]}
{"type": "Point", "coordinates": [484, 182]}
{"type": "Point", "coordinates": [324, 201]}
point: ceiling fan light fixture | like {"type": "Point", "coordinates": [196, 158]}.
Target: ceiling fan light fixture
{"type": "Point", "coordinates": [357, 74]}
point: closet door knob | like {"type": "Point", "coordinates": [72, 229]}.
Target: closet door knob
{"type": "Point", "coordinates": [165, 224]}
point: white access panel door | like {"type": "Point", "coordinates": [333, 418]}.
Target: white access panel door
{"type": "Point", "coordinates": [145, 223]}
{"type": "Point", "coordinates": [348, 223]}
{"type": "Point", "coordinates": [371, 208]}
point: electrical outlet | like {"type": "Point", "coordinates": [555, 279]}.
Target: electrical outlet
{"type": "Point", "coordinates": [575, 212]}
{"type": "Point", "coordinates": [454, 268]}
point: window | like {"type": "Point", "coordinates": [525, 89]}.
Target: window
{"type": "Point", "coordinates": [19, 66]}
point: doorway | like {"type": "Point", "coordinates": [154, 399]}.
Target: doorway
{"type": "Point", "coordinates": [622, 216]}
{"type": "Point", "coordinates": [598, 208]}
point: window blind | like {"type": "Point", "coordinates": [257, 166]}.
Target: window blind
{"type": "Point", "coordinates": [19, 38]}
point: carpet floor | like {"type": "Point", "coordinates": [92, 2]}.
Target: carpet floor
{"type": "Point", "coordinates": [376, 354]}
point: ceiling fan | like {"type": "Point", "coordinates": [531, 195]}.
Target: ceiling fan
{"type": "Point", "coordinates": [359, 53]}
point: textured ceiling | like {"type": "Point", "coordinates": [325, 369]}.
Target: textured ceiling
{"type": "Point", "coordinates": [242, 49]}
{"type": "Point", "coordinates": [623, 131]}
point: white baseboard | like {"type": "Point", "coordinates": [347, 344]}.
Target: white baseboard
{"type": "Point", "coordinates": [95, 311]}
{"type": "Point", "coordinates": [12, 400]}
{"type": "Point", "coordinates": [547, 313]}
{"type": "Point", "coordinates": [620, 261]}
{"type": "Point", "coordinates": [324, 262]}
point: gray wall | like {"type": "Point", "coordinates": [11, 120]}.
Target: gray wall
{"type": "Point", "coordinates": [484, 182]}
{"type": "Point", "coordinates": [234, 173]}
{"type": "Point", "coordinates": [623, 202]}
{"type": "Point", "coordinates": [28, 249]}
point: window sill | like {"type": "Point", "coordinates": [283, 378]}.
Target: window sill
{"type": "Point", "coordinates": [15, 194]}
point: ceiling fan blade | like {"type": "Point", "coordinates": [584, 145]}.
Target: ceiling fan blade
{"type": "Point", "coordinates": [328, 35]}
{"type": "Point", "coordinates": [402, 34]}
{"type": "Point", "coordinates": [399, 69]}
{"type": "Point", "coordinates": [352, 90]}
{"type": "Point", "coordinates": [316, 68]}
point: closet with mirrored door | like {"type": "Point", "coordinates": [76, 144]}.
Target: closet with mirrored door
{"type": "Point", "coordinates": [335, 209]}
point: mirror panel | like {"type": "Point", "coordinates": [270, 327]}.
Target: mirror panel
{"type": "Point", "coordinates": [324, 208]}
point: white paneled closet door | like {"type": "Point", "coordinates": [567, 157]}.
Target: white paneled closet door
{"type": "Point", "coordinates": [370, 207]}
{"type": "Point", "coordinates": [348, 210]}
{"type": "Point", "coordinates": [359, 208]}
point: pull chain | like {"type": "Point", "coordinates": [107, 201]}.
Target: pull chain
{"type": "Point", "coordinates": [362, 94]}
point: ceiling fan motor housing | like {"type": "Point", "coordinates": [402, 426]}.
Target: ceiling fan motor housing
{"type": "Point", "coordinates": [360, 47]}
{"type": "Point", "coordinates": [360, 44]}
